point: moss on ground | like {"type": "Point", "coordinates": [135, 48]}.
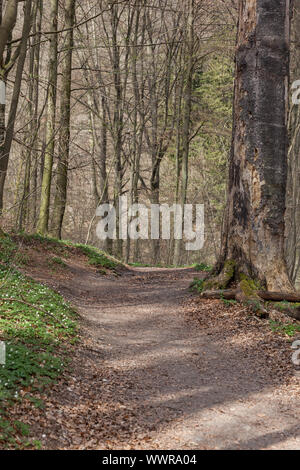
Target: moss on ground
{"type": "Point", "coordinates": [95, 256]}
{"type": "Point", "coordinates": [202, 267]}
{"type": "Point", "coordinates": [289, 329]}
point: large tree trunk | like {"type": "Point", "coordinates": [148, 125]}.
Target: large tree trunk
{"type": "Point", "coordinates": [293, 191]}
{"type": "Point", "coordinates": [253, 240]}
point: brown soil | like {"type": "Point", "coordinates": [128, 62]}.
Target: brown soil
{"type": "Point", "coordinates": [158, 369]}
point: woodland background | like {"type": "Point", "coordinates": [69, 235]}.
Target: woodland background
{"type": "Point", "coordinates": [125, 98]}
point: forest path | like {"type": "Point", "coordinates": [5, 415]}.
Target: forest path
{"type": "Point", "coordinates": [147, 378]}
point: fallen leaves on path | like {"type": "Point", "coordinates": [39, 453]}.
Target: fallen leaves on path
{"type": "Point", "coordinates": [234, 325]}
{"type": "Point", "coordinates": [114, 398]}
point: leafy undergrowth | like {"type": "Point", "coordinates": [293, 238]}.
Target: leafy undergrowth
{"type": "Point", "coordinates": [97, 258]}
{"type": "Point", "coordinates": [197, 285]}
{"type": "Point", "coordinates": [160, 265]}
{"type": "Point", "coordinates": [202, 267]}
{"type": "Point", "coordinates": [140, 265]}
{"type": "Point", "coordinates": [38, 328]}
{"type": "Point", "coordinates": [282, 325]}
{"type": "Point", "coordinates": [289, 329]}
{"type": "Point", "coordinates": [65, 248]}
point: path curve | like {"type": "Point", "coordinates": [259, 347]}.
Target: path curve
{"type": "Point", "coordinates": [146, 378]}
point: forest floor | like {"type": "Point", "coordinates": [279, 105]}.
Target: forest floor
{"type": "Point", "coordinates": [159, 368]}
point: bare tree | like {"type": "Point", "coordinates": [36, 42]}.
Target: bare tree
{"type": "Point", "coordinates": [65, 114]}
{"type": "Point", "coordinates": [43, 221]}
{"type": "Point", "coordinates": [6, 135]}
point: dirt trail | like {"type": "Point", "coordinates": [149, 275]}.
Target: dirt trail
{"type": "Point", "coordinates": [146, 377]}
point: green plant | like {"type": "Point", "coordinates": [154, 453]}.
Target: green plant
{"type": "Point", "coordinates": [289, 329]}
{"type": "Point", "coordinates": [38, 326]}
{"type": "Point", "coordinates": [23, 428]}
{"type": "Point", "coordinates": [37, 444]}
{"type": "Point", "coordinates": [139, 265]}
{"type": "Point", "coordinates": [197, 285]}
{"type": "Point", "coordinates": [202, 267]}
{"type": "Point", "coordinates": [21, 259]}
{"type": "Point", "coordinates": [96, 257]}
{"type": "Point", "coordinates": [37, 402]}
{"type": "Point", "coordinates": [57, 261]}
{"type": "Point", "coordinates": [229, 302]}
{"type": "Point", "coordinates": [7, 248]}
{"type": "Point", "coordinates": [283, 305]}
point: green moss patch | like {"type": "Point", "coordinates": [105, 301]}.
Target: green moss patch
{"type": "Point", "coordinates": [202, 267]}
{"type": "Point", "coordinates": [66, 248]}
{"type": "Point", "coordinates": [197, 285]}
{"type": "Point", "coordinates": [289, 329]}
{"type": "Point", "coordinates": [221, 281]}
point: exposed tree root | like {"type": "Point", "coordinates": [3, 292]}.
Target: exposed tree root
{"type": "Point", "coordinates": [279, 296]}
{"type": "Point", "coordinates": [223, 279]}
{"type": "Point", "coordinates": [231, 294]}
{"type": "Point", "coordinates": [257, 302]}
{"type": "Point", "coordinates": [246, 290]}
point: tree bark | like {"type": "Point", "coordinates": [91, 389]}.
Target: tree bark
{"type": "Point", "coordinates": [187, 109]}
{"type": "Point", "coordinates": [65, 114]}
{"type": "Point", "coordinates": [7, 25]}
{"type": "Point", "coordinates": [230, 294]}
{"type": "Point", "coordinates": [253, 240]}
{"type": "Point", "coordinates": [7, 142]}
{"type": "Point", "coordinates": [293, 189]}
{"type": "Point", "coordinates": [33, 126]}
{"type": "Point", "coordinates": [42, 227]}
{"type": "Point", "coordinates": [36, 124]}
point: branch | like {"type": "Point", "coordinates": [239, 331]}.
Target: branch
{"type": "Point", "coordinates": [234, 294]}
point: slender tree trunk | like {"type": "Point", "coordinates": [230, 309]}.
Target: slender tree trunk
{"type": "Point", "coordinates": [36, 123]}
{"type": "Point", "coordinates": [138, 123]}
{"type": "Point", "coordinates": [100, 174]}
{"type": "Point", "coordinates": [175, 247]}
{"type": "Point", "coordinates": [120, 77]}
{"type": "Point", "coordinates": [50, 126]}
{"type": "Point", "coordinates": [162, 120]}
{"type": "Point", "coordinates": [65, 114]}
{"type": "Point", "coordinates": [253, 241]}
{"type": "Point", "coordinates": [6, 147]}
{"type": "Point", "coordinates": [117, 124]}
{"type": "Point", "coordinates": [187, 99]}
{"type": "Point", "coordinates": [33, 101]}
